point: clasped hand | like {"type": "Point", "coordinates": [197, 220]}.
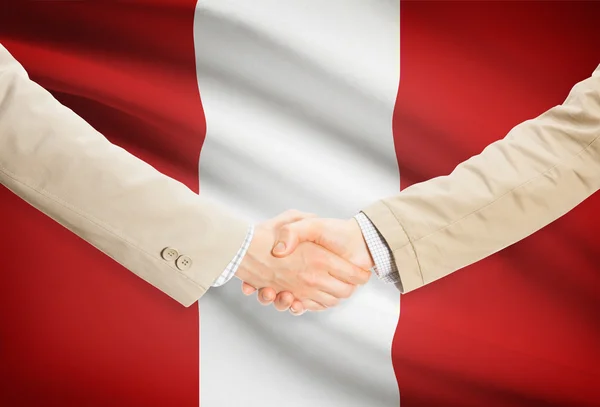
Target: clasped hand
{"type": "Point", "coordinates": [300, 262]}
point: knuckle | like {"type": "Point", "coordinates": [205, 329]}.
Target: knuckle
{"type": "Point", "coordinates": [320, 261]}
{"type": "Point", "coordinates": [309, 277]}
{"type": "Point", "coordinates": [357, 276]}
{"type": "Point", "coordinates": [351, 274]}
{"type": "Point", "coordinates": [347, 292]}
{"type": "Point", "coordinates": [285, 230]}
{"type": "Point", "coordinates": [333, 302]}
{"type": "Point", "coordinates": [364, 276]}
{"type": "Point", "coordinates": [293, 212]}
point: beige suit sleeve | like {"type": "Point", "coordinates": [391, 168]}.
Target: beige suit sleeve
{"type": "Point", "coordinates": [59, 164]}
{"type": "Point", "coordinates": [540, 171]}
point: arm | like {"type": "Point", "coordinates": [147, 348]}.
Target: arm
{"type": "Point", "coordinates": [153, 225]}
{"type": "Point", "coordinates": [59, 164]}
{"type": "Point", "coordinates": [541, 170]}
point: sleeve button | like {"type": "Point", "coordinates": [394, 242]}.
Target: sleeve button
{"type": "Point", "coordinates": [183, 263]}
{"type": "Point", "coordinates": [169, 254]}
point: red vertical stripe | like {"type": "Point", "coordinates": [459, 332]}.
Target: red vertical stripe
{"type": "Point", "coordinates": [77, 329]}
{"type": "Point", "coordinates": [520, 328]}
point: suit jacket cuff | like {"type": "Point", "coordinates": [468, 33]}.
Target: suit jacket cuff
{"type": "Point", "coordinates": [398, 241]}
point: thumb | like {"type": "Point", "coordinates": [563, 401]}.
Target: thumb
{"type": "Point", "coordinates": [291, 235]}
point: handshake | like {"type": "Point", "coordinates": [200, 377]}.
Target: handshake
{"type": "Point", "coordinates": [304, 263]}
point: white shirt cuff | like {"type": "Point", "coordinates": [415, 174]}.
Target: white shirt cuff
{"type": "Point", "coordinates": [232, 267]}
{"type": "Point", "coordinates": [385, 266]}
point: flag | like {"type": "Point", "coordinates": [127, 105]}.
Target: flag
{"type": "Point", "coordinates": [518, 328]}
{"type": "Point", "coordinates": [318, 106]}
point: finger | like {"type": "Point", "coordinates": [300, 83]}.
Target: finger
{"type": "Point", "coordinates": [292, 234]}
{"type": "Point", "coordinates": [332, 287]}
{"type": "Point", "coordinates": [327, 272]}
{"type": "Point", "coordinates": [266, 295]}
{"type": "Point", "coordinates": [297, 314]}
{"type": "Point", "coordinates": [289, 216]}
{"type": "Point", "coordinates": [325, 299]}
{"type": "Point", "coordinates": [310, 305]}
{"type": "Point", "coordinates": [284, 301]}
{"type": "Point", "coordinates": [247, 289]}
{"type": "Point", "coordinates": [346, 271]}
{"type": "Point", "coordinates": [297, 308]}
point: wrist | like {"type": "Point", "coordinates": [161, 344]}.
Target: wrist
{"type": "Point", "coordinates": [251, 270]}
{"type": "Point", "coordinates": [361, 243]}
{"type": "Point", "coordinates": [242, 272]}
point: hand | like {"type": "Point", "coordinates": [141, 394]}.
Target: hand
{"type": "Point", "coordinates": [310, 274]}
{"type": "Point", "coordinates": [266, 296]}
{"type": "Point", "coordinates": [342, 237]}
